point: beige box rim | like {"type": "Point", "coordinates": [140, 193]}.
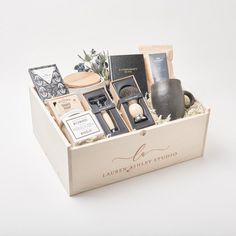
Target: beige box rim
{"type": "Point", "coordinates": [105, 161]}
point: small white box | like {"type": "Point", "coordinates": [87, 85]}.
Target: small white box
{"type": "Point", "coordinates": [105, 161]}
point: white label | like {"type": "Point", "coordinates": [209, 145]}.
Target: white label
{"type": "Point", "coordinates": [82, 126]}
{"type": "Point", "coordinates": [45, 73]}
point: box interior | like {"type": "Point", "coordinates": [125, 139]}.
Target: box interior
{"type": "Point", "coordinates": [207, 111]}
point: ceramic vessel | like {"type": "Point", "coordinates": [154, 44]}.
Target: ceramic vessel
{"type": "Point", "coordinates": [168, 98]}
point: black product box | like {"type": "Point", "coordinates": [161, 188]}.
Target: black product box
{"type": "Point", "coordinates": [121, 66]}
{"type": "Point", "coordinates": [105, 110]}
{"type": "Point", "coordinates": [124, 103]}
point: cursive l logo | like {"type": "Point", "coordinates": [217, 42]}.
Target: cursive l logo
{"type": "Point", "coordinates": [140, 153]}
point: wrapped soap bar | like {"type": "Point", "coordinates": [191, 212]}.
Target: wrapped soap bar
{"type": "Point", "coordinates": [81, 127]}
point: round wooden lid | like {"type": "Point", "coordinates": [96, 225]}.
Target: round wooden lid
{"type": "Point", "coordinates": [81, 79]}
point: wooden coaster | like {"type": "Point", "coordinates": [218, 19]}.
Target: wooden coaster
{"type": "Point", "coordinates": [81, 79]}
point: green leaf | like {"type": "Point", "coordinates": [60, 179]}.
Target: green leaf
{"type": "Point", "coordinates": [95, 68]}
{"type": "Point", "coordinates": [87, 57]}
{"type": "Point", "coordinates": [81, 57]}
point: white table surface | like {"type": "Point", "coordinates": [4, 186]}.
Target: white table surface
{"type": "Point", "coordinates": [194, 198]}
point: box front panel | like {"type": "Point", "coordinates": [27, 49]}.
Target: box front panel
{"type": "Point", "coordinates": [101, 163]}
{"type": "Point", "coordinates": [51, 139]}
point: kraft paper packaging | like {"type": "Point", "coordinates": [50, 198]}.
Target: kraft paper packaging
{"type": "Point", "coordinates": [157, 49]}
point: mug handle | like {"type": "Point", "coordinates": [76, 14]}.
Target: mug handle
{"type": "Point", "coordinates": [191, 98]}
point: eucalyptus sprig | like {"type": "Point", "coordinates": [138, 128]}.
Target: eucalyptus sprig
{"type": "Point", "coordinates": [95, 62]}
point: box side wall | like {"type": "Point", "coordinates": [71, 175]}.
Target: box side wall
{"type": "Point", "coordinates": [143, 151]}
{"type": "Point", "coordinates": [206, 130]}
{"type": "Point", "coordinates": [50, 138]}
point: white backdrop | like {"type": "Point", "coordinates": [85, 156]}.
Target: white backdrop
{"type": "Point", "coordinates": [193, 198]}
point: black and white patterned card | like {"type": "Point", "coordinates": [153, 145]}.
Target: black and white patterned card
{"type": "Point", "coordinates": [48, 82]}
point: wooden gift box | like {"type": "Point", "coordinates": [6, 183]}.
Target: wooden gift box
{"type": "Point", "coordinates": [92, 165]}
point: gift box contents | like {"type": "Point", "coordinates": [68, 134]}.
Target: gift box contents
{"type": "Point", "coordinates": [113, 95]}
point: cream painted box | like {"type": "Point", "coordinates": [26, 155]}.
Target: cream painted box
{"type": "Point", "coordinates": [114, 159]}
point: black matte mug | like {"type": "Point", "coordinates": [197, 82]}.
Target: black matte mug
{"type": "Point", "coordinates": [168, 98]}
